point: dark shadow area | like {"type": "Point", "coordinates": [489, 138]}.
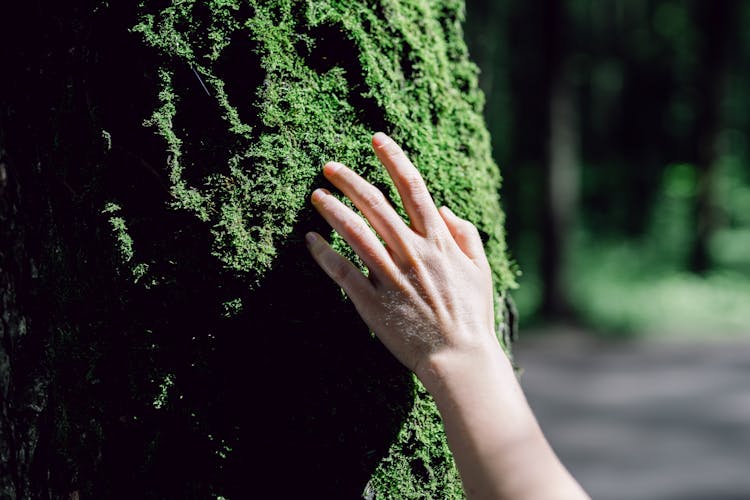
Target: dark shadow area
{"type": "Point", "coordinates": [331, 48]}
{"type": "Point", "coordinates": [206, 140]}
{"type": "Point", "coordinates": [239, 67]}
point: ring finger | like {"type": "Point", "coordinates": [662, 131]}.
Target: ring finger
{"type": "Point", "coordinates": [373, 205]}
{"type": "Point", "coordinates": [355, 231]}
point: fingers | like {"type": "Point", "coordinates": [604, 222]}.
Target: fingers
{"type": "Point", "coordinates": [372, 203]}
{"type": "Point", "coordinates": [411, 187]}
{"type": "Point", "coordinates": [466, 236]}
{"type": "Point", "coordinates": [354, 230]}
{"type": "Point", "coordinates": [339, 269]}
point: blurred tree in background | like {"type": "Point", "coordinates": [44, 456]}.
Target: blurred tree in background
{"type": "Point", "coordinates": [622, 129]}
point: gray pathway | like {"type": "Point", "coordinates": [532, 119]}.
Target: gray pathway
{"type": "Point", "coordinates": [644, 420]}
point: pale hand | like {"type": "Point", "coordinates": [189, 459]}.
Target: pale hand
{"type": "Point", "coordinates": [429, 288]}
{"type": "Point", "coordinates": [428, 297]}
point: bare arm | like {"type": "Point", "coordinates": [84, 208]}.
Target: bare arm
{"type": "Point", "coordinates": [428, 297]}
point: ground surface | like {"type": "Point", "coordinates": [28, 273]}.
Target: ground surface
{"type": "Point", "coordinates": [638, 420]}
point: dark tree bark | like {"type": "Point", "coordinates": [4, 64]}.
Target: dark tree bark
{"type": "Point", "coordinates": [22, 384]}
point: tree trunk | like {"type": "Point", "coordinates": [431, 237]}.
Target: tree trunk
{"type": "Point", "coordinates": [562, 170]}
{"type": "Point", "coordinates": [164, 332]}
{"type": "Point", "coordinates": [714, 20]}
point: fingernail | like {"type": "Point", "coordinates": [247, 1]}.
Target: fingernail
{"type": "Point", "coordinates": [380, 138]}
{"type": "Point", "coordinates": [319, 193]}
{"type": "Point", "coordinates": [332, 167]}
{"type": "Point", "coordinates": [310, 238]}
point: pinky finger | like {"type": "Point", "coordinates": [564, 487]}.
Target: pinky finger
{"type": "Point", "coordinates": [466, 236]}
{"type": "Point", "coordinates": [338, 268]}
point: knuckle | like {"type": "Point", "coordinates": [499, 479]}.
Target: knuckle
{"type": "Point", "coordinates": [373, 198]}
{"type": "Point", "coordinates": [331, 263]}
{"type": "Point", "coordinates": [413, 182]}
{"type": "Point", "coordinates": [344, 175]}
{"type": "Point", "coordinates": [391, 149]}
{"type": "Point", "coordinates": [414, 188]}
{"type": "Point", "coordinates": [353, 228]}
{"type": "Point", "coordinates": [424, 249]}
{"type": "Point", "coordinates": [341, 272]}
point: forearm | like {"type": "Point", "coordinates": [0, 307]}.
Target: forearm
{"type": "Point", "coordinates": [497, 444]}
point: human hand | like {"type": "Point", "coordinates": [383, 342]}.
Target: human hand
{"type": "Point", "coordinates": [429, 289]}
{"type": "Point", "coordinates": [428, 297]}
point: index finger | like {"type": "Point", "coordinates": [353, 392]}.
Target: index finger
{"type": "Point", "coordinates": [417, 200]}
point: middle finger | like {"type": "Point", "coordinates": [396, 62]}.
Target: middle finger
{"type": "Point", "coordinates": [356, 232]}
{"type": "Point", "coordinates": [373, 205]}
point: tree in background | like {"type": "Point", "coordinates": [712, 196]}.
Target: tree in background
{"type": "Point", "coordinates": [164, 332]}
{"type": "Point", "coordinates": [715, 20]}
{"type": "Point", "coordinates": [562, 163]}
{"type": "Point", "coordinates": [524, 50]}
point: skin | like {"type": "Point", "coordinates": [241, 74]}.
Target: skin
{"type": "Point", "coordinates": [428, 298]}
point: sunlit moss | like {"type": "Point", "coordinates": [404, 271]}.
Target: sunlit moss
{"type": "Point", "coordinates": [419, 463]}
{"type": "Point", "coordinates": [124, 242]}
{"type": "Point", "coordinates": [162, 396]}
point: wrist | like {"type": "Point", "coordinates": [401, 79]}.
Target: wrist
{"type": "Point", "coordinates": [479, 383]}
{"type": "Point", "coordinates": [448, 369]}
{"type": "Point", "coordinates": [498, 445]}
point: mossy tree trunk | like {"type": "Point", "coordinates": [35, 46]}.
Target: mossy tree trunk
{"type": "Point", "coordinates": [164, 333]}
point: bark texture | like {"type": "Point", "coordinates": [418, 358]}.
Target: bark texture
{"type": "Point", "coordinates": [163, 332]}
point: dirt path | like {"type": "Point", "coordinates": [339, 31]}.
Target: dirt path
{"type": "Point", "coordinates": [644, 420]}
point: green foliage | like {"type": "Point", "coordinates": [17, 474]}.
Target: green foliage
{"type": "Point", "coordinates": [627, 288]}
{"type": "Point", "coordinates": [640, 286]}
{"type": "Point", "coordinates": [232, 307]}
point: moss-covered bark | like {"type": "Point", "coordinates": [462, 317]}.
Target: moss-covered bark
{"type": "Point", "coordinates": [171, 337]}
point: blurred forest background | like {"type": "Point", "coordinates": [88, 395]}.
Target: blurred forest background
{"type": "Point", "coordinates": [621, 128]}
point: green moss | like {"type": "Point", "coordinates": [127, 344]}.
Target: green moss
{"type": "Point", "coordinates": [124, 242]}
{"type": "Point", "coordinates": [419, 463]}
{"type": "Point", "coordinates": [120, 231]}
{"type": "Point", "coordinates": [232, 307]}
{"type": "Point", "coordinates": [322, 77]}
{"type": "Point", "coordinates": [160, 400]}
